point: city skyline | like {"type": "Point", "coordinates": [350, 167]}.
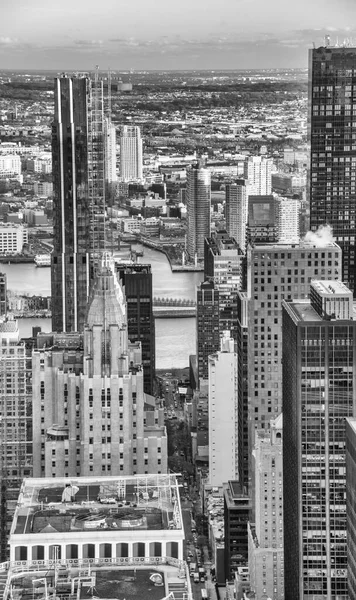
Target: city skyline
{"type": "Point", "coordinates": [147, 35]}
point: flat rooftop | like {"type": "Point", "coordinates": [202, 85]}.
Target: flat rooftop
{"type": "Point", "coordinates": [146, 502]}
{"type": "Point", "coordinates": [303, 311]}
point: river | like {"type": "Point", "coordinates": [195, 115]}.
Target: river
{"type": "Point", "coordinates": [175, 338]}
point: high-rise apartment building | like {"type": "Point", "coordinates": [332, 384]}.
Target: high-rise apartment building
{"type": "Point", "coordinates": [277, 272]}
{"type": "Point", "coordinates": [236, 202]}
{"type": "Point", "coordinates": [288, 220]}
{"type": "Point", "coordinates": [15, 423]}
{"type": "Point", "coordinates": [130, 153]}
{"type": "Point", "coordinates": [110, 150]}
{"type": "Point", "coordinates": [89, 411]}
{"type": "Point", "coordinates": [198, 198]}
{"type": "Point", "coordinates": [332, 134]}
{"type": "Point", "coordinates": [136, 280]}
{"type": "Point", "coordinates": [319, 393]}
{"type": "Point", "coordinates": [265, 544]}
{"type": "Point", "coordinates": [208, 325]}
{"type": "Point", "coordinates": [351, 505]}
{"type": "Point", "coordinates": [258, 172]}
{"type": "Point", "coordinates": [79, 182]}
{"type": "Point", "coordinates": [223, 413]}
{"type": "Point", "coordinates": [223, 266]}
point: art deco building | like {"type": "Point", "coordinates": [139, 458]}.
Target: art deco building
{"type": "Point", "coordinates": [130, 153]}
{"type": "Point", "coordinates": [332, 137]}
{"type": "Point", "coordinates": [319, 393]}
{"type": "Point", "coordinates": [78, 155]}
{"type": "Point", "coordinates": [90, 413]}
{"type": "Point", "coordinates": [198, 195]}
{"type": "Point", "coordinates": [15, 423]}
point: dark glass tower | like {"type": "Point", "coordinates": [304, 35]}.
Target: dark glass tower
{"type": "Point", "coordinates": [319, 392]}
{"type": "Point", "coordinates": [137, 282]}
{"type": "Point", "coordinates": [79, 197]}
{"type": "Point", "coordinates": [208, 325]}
{"type": "Point", "coordinates": [332, 136]}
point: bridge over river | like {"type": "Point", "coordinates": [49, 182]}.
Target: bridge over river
{"type": "Point", "coordinates": [165, 308]}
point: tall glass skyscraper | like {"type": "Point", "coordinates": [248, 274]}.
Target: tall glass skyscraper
{"type": "Point", "coordinates": [332, 136]}
{"type": "Point", "coordinates": [130, 153]}
{"type": "Point", "coordinates": [198, 197]}
{"type": "Point", "coordinates": [78, 154]}
{"type": "Point", "coordinates": [319, 392]}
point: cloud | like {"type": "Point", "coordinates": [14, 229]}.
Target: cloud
{"type": "Point", "coordinates": [89, 43]}
{"type": "Point", "coordinates": [7, 41]}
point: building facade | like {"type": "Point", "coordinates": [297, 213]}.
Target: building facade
{"type": "Point", "coordinates": [130, 153]}
{"type": "Point", "coordinates": [136, 280]}
{"type": "Point", "coordinates": [258, 172]}
{"type": "Point", "coordinates": [319, 363]}
{"type": "Point", "coordinates": [265, 543]}
{"type": "Point", "coordinates": [198, 199]}
{"type": "Point", "coordinates": [236, 202]}
{"type": "Point", "coordinates": [332, 132]}
{"type": "Point", "coordinates": [78, 156]}
{"type": "Point", "coordinates": [208, 325]}
{"type": "Point", "coordinates": [288, 220]}
{"type": "Point", "coordinates": [89, 410]}
{"type": "Point", "coordinates": [223, 414]}
{"type": "Point", "coordinates": [15, 424]}
{"type": "Point", "coordinates": [351, 505]}
{"type": "Point", "coordinates": [12, 238]}
{"type": "Point", "coordinates": [262, 220]}
{"type": "Point", "coordinates": [237, 508]}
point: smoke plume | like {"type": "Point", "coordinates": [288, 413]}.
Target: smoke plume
{"type": "Point", "coordinates": [322, 237]}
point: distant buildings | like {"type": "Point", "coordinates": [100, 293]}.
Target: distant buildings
{"type": "Point", "coordinates": [262, 220]}
{"type": "Point", "coordinates": [319, 362]}
{"type": "Point", "coordinates": [265, 549]}
{"type": "Point", "coordinates": [288, 220]}
{"type": "Point", "coordinates": [10, 164]}
{"type": "Point", "coordinates": [130, 153]}
{"type": "Point", "coordinates": [332, 168]}
{"type": "Point", "coordinates": [223, 414]}
{"type": "Point", "coordinates": [198, 195]}
{"type": "Point", "coordinates": [258, 172]}
{"type": "Point", "coordinates": [236, 203]}
{"type": "Point", "coordinates": [89, 411]}
{"type": "Point", "coordinates": [12, 238]}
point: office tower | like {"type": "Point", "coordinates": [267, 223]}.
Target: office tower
{"type": "Point", "coordinates": [136, 280]}
{"type": "Point", "coordinates": [198, 196]}
{"type": "Point", "coordinates": [15, 424]}
{"type": "Point", "coordinates": [89, 410]}
{"type": "Point", "coordinates": [288, 220]}
{"type": "Point", "coordinates": [319, 363]}
{"type": "Point", "coordinates": [277, 272]}
{"type": "Point", "coordinates": [237, 507]}
{"type": "Point", "coordinates": [222, 265]}
{"type": "Point", "coordinates": [332, 132]}
{"type": "Point", "coordinates": [208, 325]}
{"type": "Point", "coordinates": [3, 294]}
{"type": "Point", "coordinates": [262, 220]}
{"type": "Point", "coordinates": [265, 535]}
{"type": "Point", "coordinates": [130, 153]}
{"type": "Point", "coordinates": [351, 505]}
{"type": "Point", "coordinates": [236, 201]}
{"type": "Point", "coordinates": [79, 197]}
{"type": "Point", "coordinates": [242, 386]}
{"type": "Point", "coordinates": [223, 413]}
{"type": "Point", "coordinates": [258, 171]}
{"type": "Point", "coordinates": [110, 150]}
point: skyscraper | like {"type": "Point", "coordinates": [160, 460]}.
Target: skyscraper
{"type": "Point", "coordinates": [137, 283]}
{"type": "Point", "coordinates": [222, 265]}
{"type": "Point", "coordinates": [319, 392]}
{"type": "Point", "coordinates": [78, 154]}
{"type": "Point", "coordinates": [89, 409]}
{"type": "Point", "coordinates": [208, 325]}
{"type": "Point", "coordinates": [130, 153]}
{"type": "Point", "coordinates": [351, 505]}
{"type": "Point", "coordinates": [236, 202]}
{"type": "Point", "coordinates": [262, 220]}
{"type": "Point", "coordinates": [258, 172]}
{"type": "Point", "coordinates": [223, 413]}
{"type": "Point", "coordinates": [198, 197]}
{"type": "Point", "coordinates": [332, 133]}
{"type": "Point", "coordinates": [15, 423]}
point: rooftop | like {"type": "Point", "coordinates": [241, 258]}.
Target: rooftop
{"type": "Point", "coordinates": [105, 504]}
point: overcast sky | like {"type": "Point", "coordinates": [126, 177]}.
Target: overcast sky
{"type": "Point", "coordinates": [168, 34]}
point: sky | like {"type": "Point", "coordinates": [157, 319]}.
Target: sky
{"type": "Point", "coordinates": [169, 34]}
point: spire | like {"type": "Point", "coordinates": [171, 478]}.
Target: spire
{"type": "Point", "coordinates": [107, 305]}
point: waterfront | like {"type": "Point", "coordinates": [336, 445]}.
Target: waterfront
{"type": "Point", "coordinates": [175, 338]}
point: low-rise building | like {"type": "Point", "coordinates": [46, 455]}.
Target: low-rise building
{"type": "Point", "coordinates": [12, 238]}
